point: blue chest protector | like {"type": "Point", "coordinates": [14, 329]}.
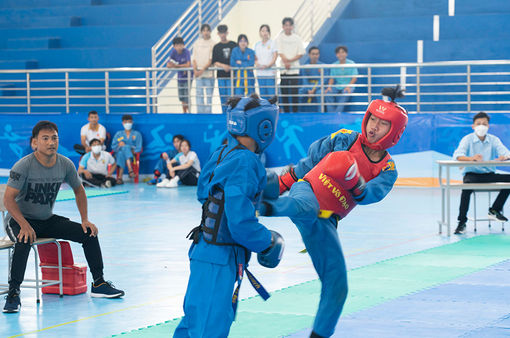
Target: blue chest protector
{"type": "Point", "coordinates": [214, 228]}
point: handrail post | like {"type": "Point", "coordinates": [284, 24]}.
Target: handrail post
{"type": "Point", "coordinates": [220, 10]}
{"type": "Point", "coordinates": [147, 92]}
{"type": "Point", "coordinates": [321, 72]}
{"type": "Point", "coordinates": [369, 83]}
{"type": "Point", "coordinates": [67, 91]}
{"type": "Point", "coordinates": [28, 94]}
{"type": "Point", "coordinates": [154, 92]}
{"type": "Point", "coordinates": [107, 92]}
{"type": "Point", "coordinates": [199, 14]}
{"type": "Point", "coordinates": [468, 74]}
{"type": "Point", "coordinates": [418, 98]}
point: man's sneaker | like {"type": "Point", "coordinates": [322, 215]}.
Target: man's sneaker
{"type": "Point", "coordinates": [12, 301]}
{"type": "Point", "coordinates": [497, 214]}
{"type": "Point", "coordinates": [461, 228]}
{"type": "Point", "coordinates": [105, 290]}
{"type": "Point", "coordinates": [108, 184]}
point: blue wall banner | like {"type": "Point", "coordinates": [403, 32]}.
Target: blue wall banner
{"type": "Point", "coordinates": [294, 134]}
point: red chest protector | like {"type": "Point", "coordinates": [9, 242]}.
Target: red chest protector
{"type": "Point", "coordinates": [336, 175]}
{"type": "Point", "coordinates": [368, 169]}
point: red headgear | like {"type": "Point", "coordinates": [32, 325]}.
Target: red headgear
{"type": "Point", "coordinates": [389, 111]}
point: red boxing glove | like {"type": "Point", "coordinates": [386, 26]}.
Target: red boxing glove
{"type": "Point", "coordinates": [337, 184]}
{"type": "Point", "coordinates": [287, 180]}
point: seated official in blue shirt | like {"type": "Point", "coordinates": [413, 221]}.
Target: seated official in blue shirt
{"type": "Point", "coordinates": [480, 146]}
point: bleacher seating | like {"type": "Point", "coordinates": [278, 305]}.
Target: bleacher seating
{"type": "Point", "coordinates": [387, 31]}
{"type": "Point", "coordinates": [83, 33]}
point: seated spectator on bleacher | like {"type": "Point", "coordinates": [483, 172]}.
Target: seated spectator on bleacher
{"type": "Point", "coordinates": [187, 170]}
{"type": "Point", "coordinates": [180, 57]}
{"type": "Point", "coordinates": [97, 167]}
{"type": "Point", "coordinates": [126, 143]}
{"type": "Point", "coordinates": [161, 166]}
{"type": "Point", "coordinates": [341, 82]}
{"type": "Point", "coordinates": [310, 89]}
{"type": "Point", "coordinates": [92, 130]}
{"type": "Point", "coordinates": [480, 146]}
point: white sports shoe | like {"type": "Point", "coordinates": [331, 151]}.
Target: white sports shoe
{"type": "Point", "coordinates": [173, 183]}
{"type": "Point", "coordinates": [163, 183]}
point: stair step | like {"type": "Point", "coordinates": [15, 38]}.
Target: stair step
{"type": "Point", "coordinates": [34, 43]}
{"type": "Point", "coordinates": [19, 64]}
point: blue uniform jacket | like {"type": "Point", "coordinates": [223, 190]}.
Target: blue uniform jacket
{"type": "Point", "coordinates": [242, 177]}
{"type": "Point", "coordinates": [376, 189]}
{"type": "Point", "coordinates": [134, 140]}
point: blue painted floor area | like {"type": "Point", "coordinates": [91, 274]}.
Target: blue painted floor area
{"type": "Point", "coordinates": [142, 236]}
{"type": "Point", "coordinates": [475, 305]}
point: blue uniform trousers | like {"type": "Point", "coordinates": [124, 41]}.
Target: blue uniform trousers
{"type": "Point", "coordinates": [323, 245]}
{"type": "Point", "coordinates": [208, 306]}
{"type": "Point", "coordinates": [122, 155]}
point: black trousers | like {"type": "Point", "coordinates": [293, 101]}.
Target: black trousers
{"type": "Point", "coordinates": [98, 179]}
{"type": "Point", "coordinates": [289, 87]}
{"type": "Point", "coordinates": [56, 227]}
{"type": "Point", "coordinates": [188, 176]}
{"type": "Point", "coordinates": [482, 178]}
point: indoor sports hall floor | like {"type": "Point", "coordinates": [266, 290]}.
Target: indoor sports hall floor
{"type": "Point", "coordinates": [405, 279]}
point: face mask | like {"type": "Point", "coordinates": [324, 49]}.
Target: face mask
{"type": "Point", "coordinates": [128, 126]}
{"type": "Point", "coordinates": [481, 130]}
{"type": "Point", "coordinates": [96, 149]}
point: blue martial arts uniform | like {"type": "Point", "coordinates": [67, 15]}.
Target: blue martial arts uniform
{"type": "Point", "coordinates": [320, 234]}
{"type": "Point", "coordinates": [235, 173]}
{"type": "Point", "coordinates": [132, 143]}
{"type": "Point", "coordinates": [244, 80]}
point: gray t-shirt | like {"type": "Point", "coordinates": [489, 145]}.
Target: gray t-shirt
{"type": "Point", "coordinates": [39, 185]}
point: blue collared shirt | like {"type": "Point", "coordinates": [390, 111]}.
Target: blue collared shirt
{"type": "Point", "coordinates": [490, 149]}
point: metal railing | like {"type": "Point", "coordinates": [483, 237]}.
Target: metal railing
{"type": "Point", "coordinates": [457, 86]}
{"type": "Point", "coordinates": [311, 15]}
{"type": "Point", "coordinates": [187, 27]}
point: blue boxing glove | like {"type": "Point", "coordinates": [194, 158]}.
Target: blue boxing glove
{"type": "Point", "coordinates": [272, 188]}
{"type": "Point", "coordinates": [272, 256]}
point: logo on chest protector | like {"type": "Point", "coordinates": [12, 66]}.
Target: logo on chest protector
{"type": "Point", "coordinates": [334, 190]}
{"type": "Point", "coordinates": [42, 193]}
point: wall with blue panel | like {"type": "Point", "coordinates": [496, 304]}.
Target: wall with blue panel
{"type": "Point", "coordinates": [438, 132]}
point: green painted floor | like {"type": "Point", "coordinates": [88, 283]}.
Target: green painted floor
{"type": "Point", "coordinates": [293, 308]}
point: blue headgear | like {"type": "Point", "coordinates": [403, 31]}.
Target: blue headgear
{"type": "Point", "coordinates": [259, 123]}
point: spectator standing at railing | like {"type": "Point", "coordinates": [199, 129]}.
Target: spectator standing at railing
{"type": "Point", "coordinates": [92, 130]}
{"type": "Point", "coordinates": [310, 89]}
{"type": "Point", "coordinates": [202, 60]}
{"type": "Point", "coordinates": [180, 57]}
{"type": "Point", "coordinates": [265, 58]}
{"type": "Point", "coordinates": [126, 143]}
{"type": "Point", "coordinates": [290, 49]}
{"type": "Point", "coordinates": [243, 57]}
{"type": "Point", "coordinates": [221, 58]}
{"type": "Point", "coordinates": [480, 146]}
{"type": "Point", "coordinates": [341, 82]}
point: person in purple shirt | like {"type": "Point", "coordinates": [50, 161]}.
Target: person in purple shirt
{"type": "Point", "coordinates": [180, 57]}
{"type": "Point", "coordinates": [242, 56]}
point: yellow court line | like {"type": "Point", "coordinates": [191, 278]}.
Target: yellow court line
{"type": "Point", "coordinates": [95, 316]}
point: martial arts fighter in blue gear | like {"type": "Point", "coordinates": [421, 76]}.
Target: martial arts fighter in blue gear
{"type": "Point", "coordinates": [341, 170]}
{"type": "Point", "coordinates": [229, 188]}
